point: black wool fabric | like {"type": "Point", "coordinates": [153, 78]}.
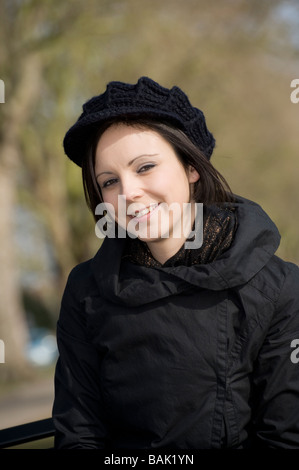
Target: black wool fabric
{"type": "Point", "coordinates": [145, 98]}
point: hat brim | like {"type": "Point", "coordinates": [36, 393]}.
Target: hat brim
{"type": "Point", "coordinates": [79, 137]}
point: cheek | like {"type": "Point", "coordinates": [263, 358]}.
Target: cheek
{"type": "Point", "coordinates": [108, 199]}
{"type": "Point", "coordinates": [111, 200]}
{"type": "Point", "coordinates": [173, 180]}
{"type": "Point", "coordinates": [178, 186]}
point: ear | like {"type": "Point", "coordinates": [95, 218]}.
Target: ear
{"type": "Point", "coordinates": [193, 174]}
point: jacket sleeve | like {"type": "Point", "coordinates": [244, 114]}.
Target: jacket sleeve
{"type": "Point", "coordinates": [276, 374]}
{"type": "Point", "coordinates": [78, 412]}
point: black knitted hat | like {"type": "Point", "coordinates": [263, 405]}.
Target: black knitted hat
{"type": "Point", "coordinates": [145, 98]}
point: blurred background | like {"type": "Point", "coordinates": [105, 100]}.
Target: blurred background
{"type": "Point", "coordinates": [235, 59]}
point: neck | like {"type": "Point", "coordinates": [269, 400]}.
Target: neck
{"type": "Point", "coordinates": [163, 249]}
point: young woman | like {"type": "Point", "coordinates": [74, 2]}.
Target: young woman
{"type": "Point", "coordinates": [181, 332]}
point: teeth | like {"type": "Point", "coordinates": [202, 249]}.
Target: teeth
{"type": "Point", "coordinates": [146, 211]}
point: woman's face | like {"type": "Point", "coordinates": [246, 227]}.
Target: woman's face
{"type": "Point", "coordinates": [142, 167]}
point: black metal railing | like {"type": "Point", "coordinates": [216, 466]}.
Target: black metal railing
{"type": "Point", "coordinates": [26, 433]}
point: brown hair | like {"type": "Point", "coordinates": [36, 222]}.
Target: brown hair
{"type": "Point", "coordinates": [211, 188]}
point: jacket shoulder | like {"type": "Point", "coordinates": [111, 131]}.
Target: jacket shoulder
{"type": "Point", "coordinates": [80, 279]}
{"type": "Point", "coordinates": [80, 271]}
{"type": "Point", "coordinates": [278, 283]}
{"type": "Point", "coordinates": [272, 279]}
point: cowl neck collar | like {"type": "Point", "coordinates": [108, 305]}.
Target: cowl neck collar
{"type": "Point", "coordinates": [122, 281]}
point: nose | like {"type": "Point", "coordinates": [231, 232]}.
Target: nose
{"type": "Point", "coordinates": [131, 188]}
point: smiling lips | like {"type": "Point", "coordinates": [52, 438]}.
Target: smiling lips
{"type": "Point", "coordinates": [145, 211]}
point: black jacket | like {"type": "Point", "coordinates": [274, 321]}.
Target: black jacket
{"type": "Point", "coordinates": [190, 357]}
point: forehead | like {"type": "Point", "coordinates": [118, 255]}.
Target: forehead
{"type": "Point", "coordinates": [120, 132]}
{"type": "Point", "coordinates": [127, 140]}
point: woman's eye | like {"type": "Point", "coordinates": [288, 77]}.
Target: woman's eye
{"type": "Point", "coordinates": [109, 182]}
{"type": "Point", "coordinates": [142, 169]}
{"type": "Point", "coordinates": [146, 167]}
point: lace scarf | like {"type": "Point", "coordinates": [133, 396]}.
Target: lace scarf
{"type": "Point", "coordinates": [219, 226]}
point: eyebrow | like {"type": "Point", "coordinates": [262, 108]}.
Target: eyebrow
{"type": "Point", "coordinates": [129, 164]}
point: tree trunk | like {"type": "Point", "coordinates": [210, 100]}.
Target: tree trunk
{"type": "Point", "coordinates": [13, 325]}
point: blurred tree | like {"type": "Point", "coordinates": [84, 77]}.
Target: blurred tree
{"type": "Point", "coordinates": [25, 31]}
{"type": "Point", "coordinates": [15, 115]}
{"type": "Point", "coordinates": [30, 152]}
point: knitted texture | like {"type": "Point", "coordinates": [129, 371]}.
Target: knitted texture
{"type": "Point", "coordinates": [145, 98]}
